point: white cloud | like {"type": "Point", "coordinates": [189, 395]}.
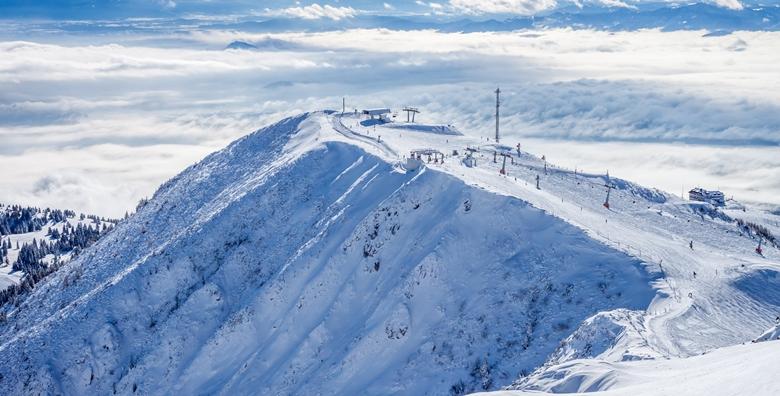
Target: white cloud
{"type": "Point", "coordinates": [435, 8]}
{"type": "Point", "coordinates": [745, 173]}
{"type": "Point", "coordinates": [316, 11]}
{"type": "Point", "coordinates": [730, 4]}
{"type": "Point", "coordinates": [142, 113]}
{"type": "Point", "coordinates": [521, 7]}
{"type": "Point", "coordinates": [169, 4]}
{"type": "Point", "coordinates": [388, 6]}
{"type": "Point", "coordinates": [531, 7]}
{"type": "Point", "coordinates": [103, 179]}
{"type": "Point", "coordinates": [614, 3]}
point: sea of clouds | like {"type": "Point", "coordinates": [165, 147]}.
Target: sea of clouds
{"type": "Point", "coordinates": [96, 121]}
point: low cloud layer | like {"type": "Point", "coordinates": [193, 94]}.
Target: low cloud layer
{"type": "Point", "coordinates": [746, 173]}
{"type": "Point", "coordinates": [97, 126]}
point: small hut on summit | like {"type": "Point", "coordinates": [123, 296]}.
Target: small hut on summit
{"type": "Point", "coordinates": [714, 197]}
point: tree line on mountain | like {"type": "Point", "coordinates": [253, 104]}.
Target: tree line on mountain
{"type": "Point", "coordinates": [757, 229]}
{"type": "Point", "coordinates": [43, 256]}
{"type": "Point", "coordinates": [15, 219]}
{"type": "Point", "coordinates": [70, 240]}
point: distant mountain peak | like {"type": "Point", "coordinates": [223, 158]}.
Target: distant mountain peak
{"type": "Point", "coordinates": [240, 45]}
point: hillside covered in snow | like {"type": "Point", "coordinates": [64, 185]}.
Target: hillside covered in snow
{"type": "Point", "coordinates": [35, 242]}
{"type": "Point", "coordinates": [315, 257]}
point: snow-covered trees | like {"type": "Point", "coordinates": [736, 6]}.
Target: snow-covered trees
{"type": "Point", "coordinates": [15, 219]}
{"type": "Point", "coordinates": [19, 220]}
{"type": "Point", "coordinates": [43, 254]}
{"type": "Point", "coordinates": [757, 229]}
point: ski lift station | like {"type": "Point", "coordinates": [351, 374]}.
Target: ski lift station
{"type": "Point", "coordinates": [714, 197]}
{"type": "Point", "coordinates": [433, 155]}
{"type": "Point", "coordinates": [416, 158]}
{"type": "Point", "coordinates": [379, 113]}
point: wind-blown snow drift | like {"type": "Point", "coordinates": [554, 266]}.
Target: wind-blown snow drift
{"type": "Point", "coordinates": [735, 370]}
{"type": "Point", "coordinates": [295, 262]}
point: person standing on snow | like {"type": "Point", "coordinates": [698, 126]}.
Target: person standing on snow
{"type": "Point", "coordinates": [691, 245]}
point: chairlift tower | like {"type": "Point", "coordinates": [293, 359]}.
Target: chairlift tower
{"type": "Point", "coordinates": [503, 166]}
{"type": "Point", "coordinates": [609, 187]}
{"type": "Point", "coordinates": [498, 104]}
{"type": "Point", "coordinates": [410, 113]}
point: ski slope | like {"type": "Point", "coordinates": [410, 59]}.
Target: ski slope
{"type": "Point", "coordinates": [733, 296]}
{"type": "Point", "coordinates": [306, 258]}
{"type": "Point", "coordinates": [652, 226]}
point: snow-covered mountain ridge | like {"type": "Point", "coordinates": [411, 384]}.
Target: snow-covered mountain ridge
{"type": "Point", "coordinates": [304, 259]}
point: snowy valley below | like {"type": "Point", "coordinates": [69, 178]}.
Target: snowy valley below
{"type": "Point", "coordinates": [313, 257]}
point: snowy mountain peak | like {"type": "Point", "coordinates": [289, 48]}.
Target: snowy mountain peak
{"type": "Point", "coordinates": [308, 257]}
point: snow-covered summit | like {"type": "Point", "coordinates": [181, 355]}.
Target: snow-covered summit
{"type": "Point", "coordinates": [306, 258]}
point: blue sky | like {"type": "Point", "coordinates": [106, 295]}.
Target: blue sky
{"type": "Point", "coordinates": [78, 9]}
{"type": "Point", "coordinates": [96, 9]}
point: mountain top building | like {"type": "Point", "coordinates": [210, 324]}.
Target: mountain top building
{"type": "Point", "coordinates": [714, 197]}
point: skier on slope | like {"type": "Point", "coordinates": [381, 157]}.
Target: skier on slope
{"type": "Point", "coordinates": [691, 244]}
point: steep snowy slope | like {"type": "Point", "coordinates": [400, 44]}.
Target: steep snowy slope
{"type": "Point", "coordinates": [714, 289]}
{"type": "Point", "coordinates": [301, 260]}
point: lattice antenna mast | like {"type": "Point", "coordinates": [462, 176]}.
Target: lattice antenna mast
{"type": "Point", "coordinates": [498, 104]}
